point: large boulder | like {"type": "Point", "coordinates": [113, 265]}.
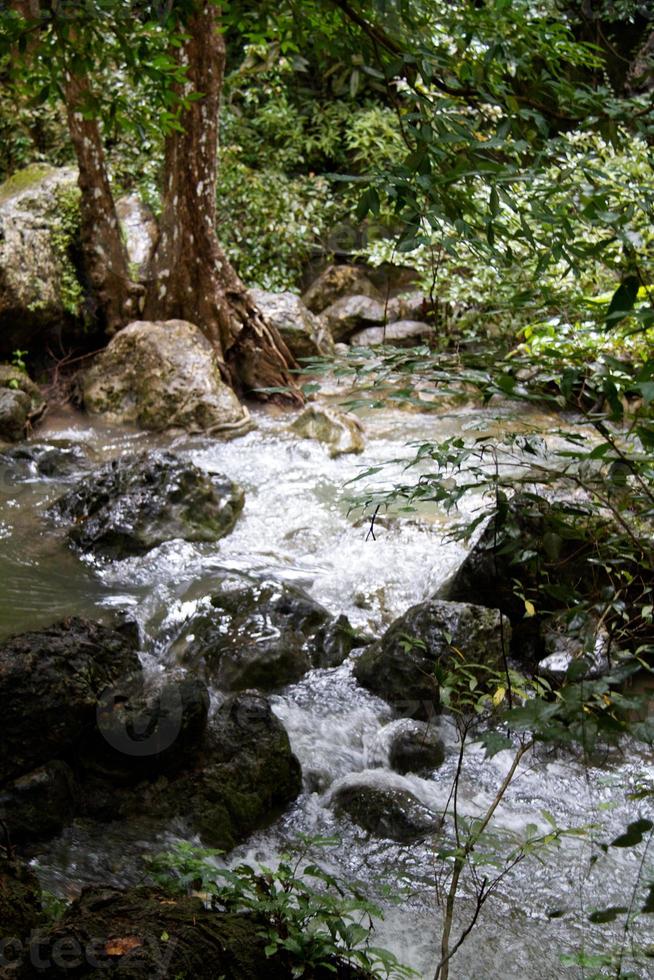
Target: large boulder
{"type": "Point", "coordinates": [145, 728]}
{"type": "Point", "coordinates": [400, 333]}
{"type": "Point", "coordinates": [21, 403]}
{"type": "Point", "coordinates": [353, 313]}
{"type": "Point", "coordinates": [304, 334]}
{"type": "Point", "coordinates": [50, 683]}
{"type": "Point", "coordinates": [140, 500]}
{"type": "Point", "coordinates": [242, 779]}
{"type": "Point", "coordinates": [261, 635]}
{"type": "Point", "coordinates": [336, 282]}
{"type": "Point", "coordinates": [34, 269]}
{"type": "Point", "coordinates": [341, 432]}
{"type": "Point", "coordinates": [385, 811]}
{"type": "Point", "coordinates": [401, 667]}
{"type": "Point", "coordinates": [38, 805]}
{"type": "Point", "coordinates": [163, 375]}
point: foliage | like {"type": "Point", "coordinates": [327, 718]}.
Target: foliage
{"type": "Point", "coordinates": [308, 918]}
{"type": "Point", "coordinates": [65, 238]}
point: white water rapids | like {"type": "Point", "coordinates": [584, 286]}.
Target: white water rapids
{"type": "Point", "coordinates": [296, 526]}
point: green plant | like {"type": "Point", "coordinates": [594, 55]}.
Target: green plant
{"type": "Point", "coordinates": [308, 918]}
{"type": "Point", "coordinates": [65, 238]}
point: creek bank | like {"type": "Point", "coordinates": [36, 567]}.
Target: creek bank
{"type": "Point", "coordinates": [553, 550]}
{"type": "Point", "coordinates": [144, 932]}
{"type": "Point", "coordinates": [260, 634]}
{"type": "Point", "coordinates": [140, 500]}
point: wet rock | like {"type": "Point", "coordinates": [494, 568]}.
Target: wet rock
{"type": "Point", "coordinates": [401, 333]}
{"type": "Point", "coordinates": [52, 461]}
{"type": "Point", "coordinates": [261, 635]}
{"type": "Point", "coordinates": [21, 403]}
{"type": "Point", "coordinates": [245, 777]}
{"type": "Point", "coordinates": [303, 332]}
{"type": "Point", "coordinates": [386, 812]}
{"type": "Point", "coordinates": [139, 227]}
{"type": "Point", "coordinates": [20, 903]}
{"type": "Point", "coordinates": [144, 933]}
{"type": "Point", "coordinates": [140, 500]}
{"type": "Point", "coordinates": [416, 747]}
{"type": "Point", "coordinates": [163, 375]}
{"type": "Point", "coordinates": [144, 730]}
{"type": "Point", "coordinates": [401, 666]}
{"type": "Point", "coordinates": [544, 546]}
{"type": "Point", "coordinates": [336, 282]}
{"type": "Point", "coordinates": [340, 431]}
{"type": "Point", "coordinates": [31, 303]}
{"type": "Point", "coordinates": [50, 682]}
{"type": "Point", "coordinates": [14, 412]}
{"type": "Point", "coordinates": [352, 313]}
{"type": "Point", "coordinates": [38, 805]}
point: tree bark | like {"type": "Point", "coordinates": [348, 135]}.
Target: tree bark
{"type": "Point", "coordinates": [190, 277]}
{"type": "Point", "coordinates": [105, 255]}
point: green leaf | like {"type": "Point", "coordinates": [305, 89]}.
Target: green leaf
{"type": "Point", "coordinates": [622, 301]}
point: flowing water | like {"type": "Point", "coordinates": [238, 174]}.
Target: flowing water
{"type": "Point", "coordinates": [298, 526]}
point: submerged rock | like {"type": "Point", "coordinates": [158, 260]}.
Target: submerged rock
{"type": "Point", "coordinates": [386, 811]}
{"type": "Point", "coordinates": [304, 334]}
{"type": "Point", "coordinates": [336, 282]}
{"type": "Point", "coordinates": [140, 500]}
{"type": "Point", "coordinates": [50, 682]}
{"type": "Point", "coordinates": [261, 635]}
{"type": "Point", "coordinates": [401, 667]}
{"type": "Point", "coordinates": [400, 333]}
{"type": "Point", "coordinates": [340, 431]}
{"type": "Point", "coordinates": [163, 375]}
{"type": "Point", "coordinates": [48, 460]}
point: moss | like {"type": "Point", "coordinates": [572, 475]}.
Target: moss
{"type": "Point", "coordinates": [65, 238]}
{"type": "Point", "coordinates": [24, 179]}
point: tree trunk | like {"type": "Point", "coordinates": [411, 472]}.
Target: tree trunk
{"type": "Point", "coordinates": [190, 276]}
{"type": "Point", "coordinates": [105, 256]}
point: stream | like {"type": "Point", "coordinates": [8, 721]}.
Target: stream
{"type": "Point", "coordinates": [297, 526]}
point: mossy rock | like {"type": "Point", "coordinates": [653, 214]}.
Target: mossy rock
{"type": "Point", "coordinates": [261, 634]}
{"type": "Point", "coordinates": [140, 500]}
